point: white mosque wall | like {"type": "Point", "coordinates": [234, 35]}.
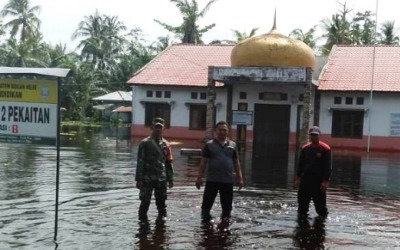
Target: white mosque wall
{"type": "Point", "coordinates": [382, 113]}
{"type": "Point", "coordinates": [293, 92]}
{"type": "Point", "coordinates": [179, 101]}
{"type": "Point", "coordinates": [181, 97]}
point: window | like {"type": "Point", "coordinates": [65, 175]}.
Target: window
{"type": "Point", "coordinates": [203, 95]}
{"type": "Point", "coordinates": [347, 124]}
{"type": "Point", "coordinates": [337, 100]}
{"type": "Point", "coordinates": [193, 95]}
{"type": "Point", "coordinates": [152, 110]}
{"type": "Point", "coordinates": [360, 101]}
{"type": "Point", "coordinates": [158, 94]}
{"type": "Point", "coordinates": [167, 94]}
{"type": "Point", "coordinates": [349, 100]}
{"type": "Point", "coordinates": [197, 118]}
{"type": "Point", "coordinates": [149, 93]}
{"type": "Point", "coordinates": [242, 95]}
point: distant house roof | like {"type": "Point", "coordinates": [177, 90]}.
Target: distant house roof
{"type": "Point", "coordinates": [102, 106]}
{"type": "Point", "coordinates": [115, 96]}
{"type": "Point", "coordinates": [350, 68]}
{"type": "Point", "coordinates": [183, 65]}
{"type": "Point", "coordinates": [123, 109]}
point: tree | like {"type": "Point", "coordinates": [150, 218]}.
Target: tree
{"type": "Point", "coordinates": [189, 31]}
{"type": "Point", "coordinates": [102, 41]}
{"type": "Point", "coordinates": [337, 30]}
{"type": "Point", "coordinates": [240, 36]}
{"type": "Point", "coordinates": [26, 23]}
{"type": "Point", "coordinates": [137, 53]}
{"type": "Point", "coordinates": [162, 43]}
{"type": "Point", "coordinates": [363, 28]}
{"type": "Point", "coordinates": [307, 38]}
{"type": "Point", "coordinates": [23, 54]}
{"type": "Point", "coordinates": [2, 29]}
{"type": "Point", "coordinates": [388, 33]}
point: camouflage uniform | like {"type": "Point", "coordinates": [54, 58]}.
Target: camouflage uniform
{"type": "Point", "coordinates": [154, 169]}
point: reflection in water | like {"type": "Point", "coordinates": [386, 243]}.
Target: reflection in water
{"type": "Point", "coordinates": [19, 171]}
{"type": "Point", "coordinates": [216, 236]}
{"type": "Point", "coordinates": [99, 203]}
{"type": "Point", "coordinates": [346, 171]}
{"type": "Point", "coordinates": [270, 168]}
{"type": "Point", "coordinates": [271, 175]}
{"type": "Point", "coordinates": [152, 239]}
{"type": "Point", "coordinates": [309, 235]}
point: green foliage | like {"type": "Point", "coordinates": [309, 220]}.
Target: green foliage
{"type": "Point", "coordinates": [308, 37]}
{"type": "Point", "coordinates": [25, 21]}
{"type": "Point", "coordinates": [342, 29]}
{"type": "Point", "coordinates": [107, 55]}
{"type": "Point", "coordinates": [189, 30]}
{"type": "Point", "coordinates": [363, 28]}
{"type": "Point", "coordinates": [388, 33]}
{"type": "Point", "coordinates": [337, 30]}
{"type": "Point", "coordinates": [240, 36]}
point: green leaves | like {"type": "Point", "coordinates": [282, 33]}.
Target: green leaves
{"type": "Point", "coordinates": [189, 30]}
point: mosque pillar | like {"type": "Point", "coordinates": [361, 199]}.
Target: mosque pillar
{"type": "Point", "coordinates": [211, 95]}
{"type": "Point", "coordinates": [307, 111]}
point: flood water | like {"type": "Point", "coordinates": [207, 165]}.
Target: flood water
{"type": "Point", "coordinates": [98, 202]}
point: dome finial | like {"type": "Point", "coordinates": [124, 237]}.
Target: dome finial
{"type": "Point", "coordinates": [274, 26]}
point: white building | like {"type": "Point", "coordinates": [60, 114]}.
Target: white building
{"type": "Point", "coordinates": [261, 86]}
{"type": "Point", "coordinates": [360, 98]}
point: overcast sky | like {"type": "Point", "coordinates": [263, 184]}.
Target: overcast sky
{"type": "Point", "coordinates": [60, 18]}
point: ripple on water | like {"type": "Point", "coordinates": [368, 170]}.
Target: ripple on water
{"type": "Point", "coordinates": [98, 205]}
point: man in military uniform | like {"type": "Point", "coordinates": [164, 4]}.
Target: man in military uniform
{"type": "Point", "coordinates": [154, 170]}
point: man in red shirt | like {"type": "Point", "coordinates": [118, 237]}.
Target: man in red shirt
{"type": "Point", "coordinates": [313, 174]}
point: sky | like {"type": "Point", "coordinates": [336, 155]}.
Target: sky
{"type": "Point", "coordinates": [60, 18]}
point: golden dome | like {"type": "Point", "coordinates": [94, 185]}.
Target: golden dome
{"type": "Point", "coordinates": [272, 49]}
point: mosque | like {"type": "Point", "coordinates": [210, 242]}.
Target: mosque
{"type": "Point", "coordinates": [271, 88]}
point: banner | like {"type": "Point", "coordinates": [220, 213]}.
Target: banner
{"type": "Point", "coordinates": [28, 111]}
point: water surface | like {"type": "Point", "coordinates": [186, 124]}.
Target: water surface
{"type": "Point", "coordinates": [98, 202]}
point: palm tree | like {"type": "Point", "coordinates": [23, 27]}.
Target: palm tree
{"type": "Point", "coordinates": [90, 30]}
{"type": "Point", "coordinates": [307, 38]}
{"type": "Point", "coordinates": [114, 41]}
{"type": "Point", "coordinates": [337, 30]}
{"type": "Point", "coordinates": [162, 43]}
{"type": "Point", "coordinates": [58, 57]}
{"type": "Point", "coordinates": [189, 31]}
{"type": "Point", "coordinates": [240, 36]}
{"type": "Point", "coordinates": [101, 41]}
{"type": "Point", "coordinates": [23, 54]}
{"type": "Point", "coordinates": [26, 23]}
{"type": "Point", "coordinates": [388, 33]}
{"type": "Point", "coordinates": [2, 29]}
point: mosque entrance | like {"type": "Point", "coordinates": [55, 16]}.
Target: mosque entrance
{"type": "Point", "coordinates": [270, 143]}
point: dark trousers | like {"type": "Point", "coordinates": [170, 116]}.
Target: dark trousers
{"type": "Point", "coordinates": [160, 194]}
{"type": "Point", "coordinates": [311, 191]}
{"type": "Point", "coordinates": [225, 191]}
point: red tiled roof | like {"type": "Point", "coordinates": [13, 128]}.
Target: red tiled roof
{"type": "Point", "coordinates": [350, 68]}
{"type": "Point", "coordinates": [183, 65]}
